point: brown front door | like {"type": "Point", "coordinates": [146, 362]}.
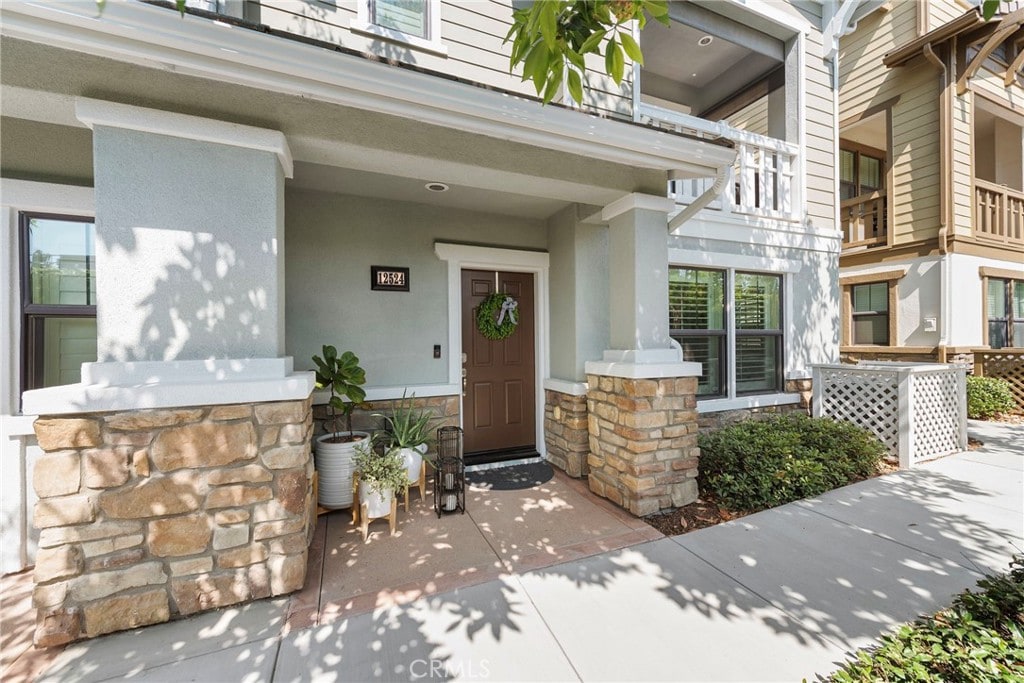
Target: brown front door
{"type": "Point", "coordinates": [498, 406]}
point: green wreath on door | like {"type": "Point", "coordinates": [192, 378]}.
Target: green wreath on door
{"type": "Point", "coordinates": [497, 316]}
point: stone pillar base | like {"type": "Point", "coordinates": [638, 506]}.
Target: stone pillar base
{"type": "Point", "coordinates": [565, 432]}
{"type": "Point", "coordinates": [643, 441]}
{"type": "Point", "coordinates": [147, 515]}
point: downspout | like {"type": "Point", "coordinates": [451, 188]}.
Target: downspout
{"type": "Point", "coordinates": [708, 196]}
{"type": "Point", "coordinates": [945, 199]}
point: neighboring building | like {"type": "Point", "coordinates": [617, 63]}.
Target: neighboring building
{"type": "Point", "coordinates": [194, 202]}
{"type": "Point", "coordinates": [931, 186]}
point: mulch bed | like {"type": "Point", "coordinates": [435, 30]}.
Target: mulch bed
{"type": "Point", "coordinates": [698, 515]}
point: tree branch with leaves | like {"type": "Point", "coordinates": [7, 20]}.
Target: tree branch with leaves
{"type": "Point", "coordinates": [552, 38]}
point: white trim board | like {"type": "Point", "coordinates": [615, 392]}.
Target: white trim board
{"type": "Point", "coordinates": [459, 256]}
{"type": "Point", "coordinates": [115, 115]}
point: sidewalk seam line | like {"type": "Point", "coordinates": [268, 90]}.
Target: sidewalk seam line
{"type": "Point", "coordinates": [544, 621]}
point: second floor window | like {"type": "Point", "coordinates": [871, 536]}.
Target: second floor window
{"type": "Point", "coordinates": [859, 173]}
{"type": "Point", "coordinates": [1005, 305]}
{"type": "Point", "coordinates": [409, 17]}
{"type": "Point", "coordinates": [58, 298]}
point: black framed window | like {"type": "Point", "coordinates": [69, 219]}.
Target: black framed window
{"type": "Point", "coordinates": [58, 276]}
{"type": "Point", "coordinates": [870, 313]}
{"type": "Point", "coordinates": [705, 305]}
{"type": "Point", "coordinates": [696, 310]}
{"type": "Point", "coordinates": [1004, 302]}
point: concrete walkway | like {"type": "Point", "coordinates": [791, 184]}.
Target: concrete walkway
{"type": "Point", "coordinates": [780, 595]}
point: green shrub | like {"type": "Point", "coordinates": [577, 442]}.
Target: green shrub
{"type": "Point", "coordinates": [979, 638]}
{"type": "Point", "coordinates": [987, 396]}
{"type": "Point", "coordinates": [759, 464]}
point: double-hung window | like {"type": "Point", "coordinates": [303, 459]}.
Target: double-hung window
{"type": "Point", "coordinates": [1004, 302]}
{"type": "Point", "coordinates": [731, 323]}
{"type": "Point", "coordinates": [870, 313]}
{"type": "Point", "coordinates": [58, 257]}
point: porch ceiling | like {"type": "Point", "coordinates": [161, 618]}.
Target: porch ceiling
{"type": "Point", "coordinates": [40, 83]}
{"type": "Point", "coordinates": [310, 176]}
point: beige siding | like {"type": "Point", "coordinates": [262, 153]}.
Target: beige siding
{"type": "Point", "coordinates": [941, 12]}
{"type": "Point", "coordinates": [866, 83]}
{"type": "Point", "coordinates": [473, 34]}
{"type": "Point", "coordinates": [863, 80]}
{"type": "Point", "coordinates": [752, 118]}
{"type": "Point", "coordinates": [819, 130]}
{"type": "Point", "coordinates": [963, 170]}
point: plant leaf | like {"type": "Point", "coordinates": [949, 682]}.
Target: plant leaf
{"type": "Point", "coordinates": [591, 43]}
{"type": "Point", "coordinates": [554, 83]}
{"type": "Point", "coordinates": [632, 48]}
{"type": "Point", "coordinates": [575, 85]}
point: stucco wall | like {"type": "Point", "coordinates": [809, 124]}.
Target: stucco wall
{"type": "Point", "coordinates": [331, 242]}
{"type": "Point", "coordinates": [187, 240]}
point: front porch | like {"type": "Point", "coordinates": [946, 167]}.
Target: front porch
{"type": "Point", "coordinates": [501, 533]}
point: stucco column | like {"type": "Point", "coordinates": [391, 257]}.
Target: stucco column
{"type": "Point", "coordinates": [638, 268]}
{"type": "Point", "coordinates": [189, 235]}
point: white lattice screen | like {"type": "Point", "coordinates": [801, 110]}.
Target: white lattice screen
{"type": "Point", "coordinates": [919, 411]}
{"type": "Point", "coordinates": [866, 398]}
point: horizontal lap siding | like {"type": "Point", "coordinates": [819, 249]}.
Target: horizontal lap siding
{"type": "Point", "coordinates": [963, 171]}
{"type": "Point", "coordinates": [819, 133]}
{"type": "Point", "coordinates": [941, 12]}
{"type": "Point", "coordinates": [866, 82]}
{"type": "Point", "coordinates": [752, 118]}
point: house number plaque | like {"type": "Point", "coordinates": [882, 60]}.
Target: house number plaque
{"type": "Point", "coordinates": [389, 279]}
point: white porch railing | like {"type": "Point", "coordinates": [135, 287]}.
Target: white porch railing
{"type": "Point", "coordinates": [918, 411]}
{"type": "Point", "coordinates": [763, 175]}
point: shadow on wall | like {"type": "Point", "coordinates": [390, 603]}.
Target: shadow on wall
{"type": "Point", "coordinates": [194, 308]}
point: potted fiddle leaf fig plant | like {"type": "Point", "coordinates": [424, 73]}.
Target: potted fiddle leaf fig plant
{"type": "Point", "coordinates": [381, 476]}
{"type": "Point", "coordinates": [335, 450]}
{"type": "Point", "coordinates": [409, 428]}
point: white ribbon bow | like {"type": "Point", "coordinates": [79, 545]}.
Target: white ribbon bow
{"type": "Point", "coordinates": [509, 305]}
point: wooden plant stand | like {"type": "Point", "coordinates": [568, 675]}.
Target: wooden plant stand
{"type": "Point", "coordinates": [361, 515]}
{"type": "Point", "coordinates": [421, 484]}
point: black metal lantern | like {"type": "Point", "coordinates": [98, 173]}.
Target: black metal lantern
{"type": "Point", "coordinates": [450, 477]}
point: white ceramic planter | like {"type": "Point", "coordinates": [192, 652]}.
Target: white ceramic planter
{"type": "Point", "coordinates": [412, 458]}
{"type": "Point", "coordinates": [377, 504]}
{"type": "Point", "coordinates": [334, 470]}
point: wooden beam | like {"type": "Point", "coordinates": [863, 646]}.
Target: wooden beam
{"type": "Point", "coordinates": [1007, 27]}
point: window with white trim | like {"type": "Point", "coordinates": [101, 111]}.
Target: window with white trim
{"type": "Point", "coordinates": [870, 313]}
{"type": "Point", "coordinates": [1004, 306]}
{"type": "Point", "coordinates": [58, 261]}
{"type": "Point", "coordinates": [731, 323]}
{"type": "Point", "coordinates": [414, 22]}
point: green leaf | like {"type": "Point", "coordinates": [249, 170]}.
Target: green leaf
{"type": "Point", "coordinates": [617, 62]}
{"type": "Point", "coordinates": [575, 85]}
{"type": "Point", "coordinates": [548, 23]}
{"type": "Point", "coordinates": [537, 56]}
{"type": "Point", "coordinates": [181, 6]}
{"type": "Point", "coordinates": [576, 59]}
{"type": "Point", "coordinates": [656, 8]}
{"type": "Point", "coordinates": [609, 60]}
{"type": "Point", "coordinates": [591, 43]}
{"type": "Point", "coordinates": [989, 8]}
{"type": "Point", "coordinates": [554, 83]}
{"type": "Point", "coordinates": [632, 48]}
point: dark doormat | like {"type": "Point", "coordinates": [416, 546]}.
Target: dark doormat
{"type": "Point", "coordinates": [511, 478]}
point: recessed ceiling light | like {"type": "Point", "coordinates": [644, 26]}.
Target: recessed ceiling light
{"type": "Point", "coordinates": [705, 41]}
{"type": "Point", "coordinates": [436, 187]}
{"type": "Point", "coordinates": [693, 75]}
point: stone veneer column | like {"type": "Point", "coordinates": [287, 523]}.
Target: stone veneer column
{"type": "Point", "coordinates": [148, 515]}
{"type": "Point", "coordinates": [566, 432]}
{"type": "Point", "coordinates": [643, 441]}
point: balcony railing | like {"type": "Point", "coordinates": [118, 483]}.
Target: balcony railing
{"type": "Point", "coordinates": [998, 213]}
{"type": "Point", "coordinates": [763, 175]}
{"type": "Point", "coordinates": [864, 220]}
